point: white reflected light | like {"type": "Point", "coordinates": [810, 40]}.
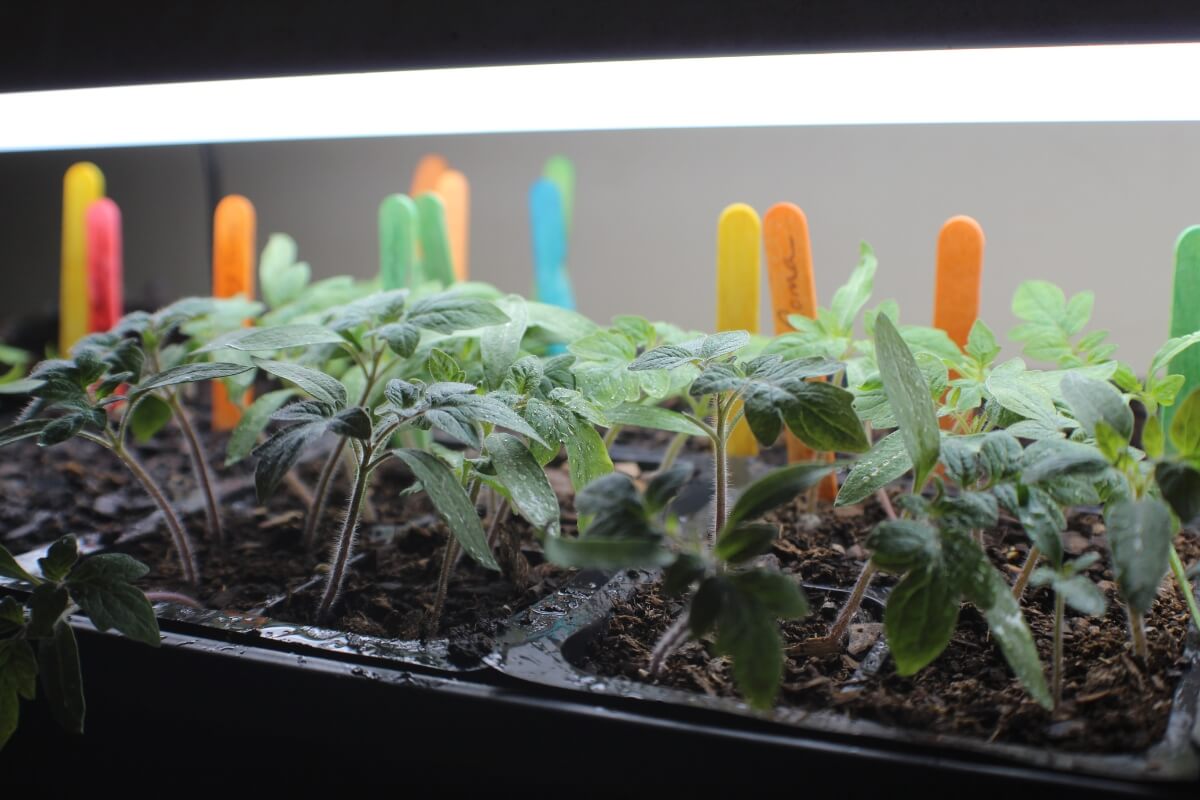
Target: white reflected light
{"type": "Point", "coordinates": [1093, 83]}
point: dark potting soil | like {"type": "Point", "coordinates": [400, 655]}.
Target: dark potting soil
{"type": "Point", "coordinates": [1112, 703]}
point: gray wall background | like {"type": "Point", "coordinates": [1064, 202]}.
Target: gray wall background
{"type": "Point", "coordinates": [1093, 206]}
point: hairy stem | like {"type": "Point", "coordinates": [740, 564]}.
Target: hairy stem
{"type": "Point", "coordinates": [1057, 675]}
{"type": "Point", "coordinates": [179, 537]}
{"type": "Point", "coordinates": [670, 641]}
{"type": "Point", "coordinates": [321, 493]}
{"type": "Point", "coordinates": [720, 473]}
{"type": "Point", "coordinates": [173, 597]}
{"type": "Point", "coordinates": [200, 467]}
{"type": "Point", "coordinates": [434, 620]}
{"type": "Point", "coordinates": [345, 542]}
{"type": "Point", "coordinates": [1185, 586]}
{"type": "Point", "coordinates": [838, 629]}
{"type": "Point", "coordinates": [1137, 635]}
{"type": "Point", "coordinates": [1022, 581]}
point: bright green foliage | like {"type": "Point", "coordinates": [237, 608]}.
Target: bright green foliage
{"type": "Point", "coordinates": [1051, 323]}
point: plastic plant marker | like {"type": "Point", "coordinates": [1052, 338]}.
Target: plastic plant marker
{"type": "Point", "coordinates": [561, 171]}
{"type": "Point", "coordinates": [739, 241]}
{"type": "Point", "coordinates": [455, 192]}
{"type": "Point", "coordinates": [425, 176]}
{"type": "Point", "coordinates": [397, 241]}
{"type": "Point", "coordinates": [548, 226]}
{"type": "Point", "coordinates": [82, 185]}
{"type": "Point", "coordinates": [105, 279]}
{"type": "Point", "coordinates": [793, 291]}
{"type": "Point", "coordinates": [233, 274]}
{"type": "Point", "coordinates": [959, 269]}
{"type": "Point", "coordinates": [435, 243]}
{"type": "Point", "coordinates": [1185, 313]}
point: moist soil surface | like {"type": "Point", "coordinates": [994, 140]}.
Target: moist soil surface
{"type": "Point", "coordinates": [1111, 702]}
{"type": "Point", "coordinates": [79, 488]}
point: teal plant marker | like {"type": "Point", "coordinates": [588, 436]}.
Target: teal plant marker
{"type": "Point", "coordinates": [1185, 312]}
{"type": "Point", "coordinates": [561, 171]}
{"type": "Point", "coordinates": [436, 261]}
{"type": "Point", "coordinates": [397, 242]}
{"type": "Point", "coordinates": [547, 222]}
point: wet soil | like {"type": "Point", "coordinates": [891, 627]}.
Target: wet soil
{"type": "Point", "coordinates": [1112, 703]}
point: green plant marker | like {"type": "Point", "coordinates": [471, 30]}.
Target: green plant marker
{"type": "Point", "coordinates": [436, 262]}
{"type": "Point", "coordinates": [397, 241]}
{"type": "Point", "coordinates": [560, 171]}
{"type": "Point", "coordinates": [1185, 313]}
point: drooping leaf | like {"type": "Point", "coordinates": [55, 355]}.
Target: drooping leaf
{"type": "Point", "coordinates": [10, 568]}
{"type": "Point", "coordinates": [908, 393]}
{"type": "Point", "coordinates": [901, 545]}
{"type": "Point", "coordinates": [1051, 458]}
{"type": "Point", "coordinates": [62, 681]}
{"type": "Point", "coordinates": [746, 631]}
{"type": "Point", "coordinates": [654, 417]}
{"type": "Point", "coordinates": [1094, 401]}
{"type": "Point", "coordinates": [663, 487]}
{"type": "Point", "coordinates": [451, 312]}
{"type": "Point", "coordinates": [526, 483]}
{"type": "Point", "coordinates": [18, 679]}
{"type": "Point", "coordinates": [920, 617]}
{"type": "Point", "coordinates": [253, 422]}
{"type": "Point", "coordinates": [1139, 536]}
{"type": "Point", "coordinates": [500, 345]}
{"type": "Point", "coordinates": [450, 499]}
{"type": "Point", "coordinates": [745, 541]}
{"type": "Point", "coordinates": [587, 457]}
{"type": "Point", "coordinates": [279, 337]}
{"type": "Point", "coordinates": [885, 462]}
{"type": "Point", "coordinates": [103, 587]}
{"type": "Point", "coordinates": [280, 453]}
{"type": "Point", "coordinates": [327, 389]}
{"type": "Point", "coordinates": [59, 558]}
{"type": "Point", "coordinates": [149, 417]}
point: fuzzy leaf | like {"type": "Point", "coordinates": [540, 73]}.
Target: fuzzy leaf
{"type": "Point", "coordinates": [526, 483]}
{"type": "Point", "coordinates": [1180, 485]}
{"type": "Point", "coordinates": [103, 587]}
{"type": "Point", "coordinates": [1052, 458]}
{"type": "Point", "coordinates": [322, 387]}
{"type": "Point", "coordinates": [1095, 401]}
{"type": "Point", "coordinates": [62, 681]}
{"type": "Point", "coordinates": [1139, 536]}
{"type": "Point", "coordinates": [908, 393]}
{"type": "Point", "coordinates": [280, 453]}
{"type": "Point", "coordinates": [901, 545]}
{"type": "Point", "coordinates": [280, 337]}
{"type": "Point", "coordinates": [668, 356]}
{"type": "Point", "coordinates": [882, 464]}
{"type": "Point", "coordinates": [253, 422]}
{"type": "Point", "coordinates": [59, 558]}
{"type": "Point", "coordinates": [450, 499]}
{"type": "Point", "coordinates": [500, 345]}
{"type": "Point", "coordinates": [746, 541]}
{"type": "Point", "coordinates": [451, 312]}
{"type": "Point", "coordinates": [920, 617]}
{"type": "Point", "coordinates": [654, 417]}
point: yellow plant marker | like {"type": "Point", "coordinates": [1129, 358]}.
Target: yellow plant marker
{"type": "Point", "coordinates": [425, 177]}
{"type": "Point", "coordinates": [82, 185]}
{"type": "Point", "coordinates": [455, 192]}
{"type": "Point", "coordinates": [233, 274]}
{"type": "Point", "coordinates": [959, 268]}
{"type": "Point", "coordinates": [739, 240]}
{"type": "Point", "coordinates": [793, 291]}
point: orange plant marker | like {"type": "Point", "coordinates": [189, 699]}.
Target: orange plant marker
{"type": "Point", "coordinates": [455, 192]}
{"type": "Point", "coordinates": [739, 239]}
{"type": "Point", "coordinates": [233, 274]}
{"type": "Point", "coordinates": [956, 290]}
{"type": "Point", "coordinates": [793, 291]}
{"type": "Point", "coordinates": [425, 176]}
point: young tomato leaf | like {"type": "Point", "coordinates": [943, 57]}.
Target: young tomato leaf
{"type": "Point", "coordinates": [103, 587]}
{"type": "Point", "coordinates": [58, 668]}
{"type": "Point", "coordinates": [882, 464]}
{"type": "Point", "coordinates": [1095, 401]}
{"type": "Point", "coordinates": [909, 396]}
{"type": "Point", "coordinates": [587, 457]}
{"type": "Point", "coordinates": [18, 679]}
{"type": "Point", "coordinates": [920, 616]}
{"type": "Point", "coordinates": [901, 545]}
{"type": "Point", "coordinates": [525, 482]}
{"type": "Point", "coordinates": [665, 485]}
{"type": "Point", "coordinates": [773, 490]}
{"type": "Point", "coordinates": [1180, 486]}
{"type": "Point", "coordinates": [822, 416]}
{"type": "Point", "coordinates": [322, 387]}
{"type": "Point", "coordinates": [1052, 458]}
{"type": "Point", "coordinates": [22, 430]}
{"type": "Point", "coordinates": [745, 541]}
{"type": "Point", "coordinates": [280, 337]}
{"type": "Point", "coordinates": [253, 422]}
{"type": "Point", "coordinates": [9, 568]}
{"type": "Point", "coordinates": [450, 312]}
{"type": "Point", "coordinates": [149, 417]}
{"type": "Point", "coordinates": [654, 417]}
{"type": "Point", "coordinates": [452, 502]}
{"type": "Point", "coordinates": [1185, 425]}
{"type": "Point", "coordinates": [992, 594]}
{"type": "Point", "coordinates": [500, 345]}
{"type": "Point", "coordinates": [59, 559]}
{"type": "Point", "coordinates": [1139, 536]}
{"type": "Point", "coordinates": [280, 453]}
{"type": "Point", "coordinates": [749, 633]}
{"type": "Point", "coordinates": [606, 553]}
{"type": "Point", "coordinates": [187, 373]}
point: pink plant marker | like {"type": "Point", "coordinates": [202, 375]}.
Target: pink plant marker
{"type": "Point", "coordinates": [105, 268]}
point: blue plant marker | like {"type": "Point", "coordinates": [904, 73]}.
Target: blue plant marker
{"type": "Point", "coordinates": [397, 242]}
{"type": "Point", "coordinates": [548, 224]}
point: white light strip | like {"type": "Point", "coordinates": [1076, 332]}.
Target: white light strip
{"type": "Point", "coordinates": [1094, 83]}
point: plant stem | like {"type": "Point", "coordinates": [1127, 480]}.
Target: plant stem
{"type": "Point", "coordinates": [1137, 633]}
{"type": "Point", "coordinates": [321, 493]}
{"type": "Point", "coordinates": [200, 467]}
{"type": "Point", "coordinates": [179, 537]}
{"type": "Point", "coordinates": [345, 542]}
{"type": "Point", "coordinates": [671, 639]}
{"type": "Point", "coordinates": [433, 622]}
{"type": "Point", "coordinates": [885, 503]}
{"type": "Point", "coordinates": [673, 451]}
{"type": "Point", "coordinates": [838, 629]}
{"type": "Point", "coordinates": [720, 473]}
{"type": "Point", "coordinates": [1060, 605]}
{"type": "Point", "coordinates": [610, 435]}
{"type": "Point", "coordinates": [1185, 586]}
{"type": "Point", "coordinates": [1026, 570]}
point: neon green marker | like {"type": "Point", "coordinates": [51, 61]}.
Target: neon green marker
{"type": "Point", "coordinates": [436, 262]}
{"type": "Point", "coordinates": [397, 241]}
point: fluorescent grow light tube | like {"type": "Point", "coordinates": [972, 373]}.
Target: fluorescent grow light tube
{"type": "Point", "coordinates": [1093, 83]}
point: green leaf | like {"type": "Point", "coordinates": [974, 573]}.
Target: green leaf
{"type": "Point", "coordinates": [1094, 401]}
{"type": "Point", "coordinates": [779, 594]}
{"type": "Point", "coordinates": [686, 569]}
{"type": "Point", "coordinates": [280, 337]}
{"type": "Point", "coordinates": [706, 605]}
{"type": "Point", "coordinates": [320, 386]}
{"type": "Point", "coordinates": [354, 422]}
{"type": "Point", "coordinates": [722, 344]}
{"type": "Point", "coordinates": [188, 373]}
{"type": "Point", "coordinates": [443, 368]}
{"type": "Point", "coordinates": [920, 617]}
{"type": "Point", "coordinates": [18, 679]}
{"type": "Point", "coordinates": [992, 594]}
{"type": "Point", "coordinates": [665, 485]}
{"type": "Point", "coordinates": [1000, 455]}
{"type": "Point", "coordinates": [882, 464]}
{"type": "Point", "coordinates": [451, 312]}
{"type": "Point", "coordinates": [1185, 425]}
{"type": "Point", "coordinates": [102, 587]}
{"type": "Point", "coordinates": [149, 417]}
{"type": "Point", "coordinates": [62, 681]}
{"type": "Point", "coordinates": [452, 503]}
{"type": "Point", "coordinates": [1082, 595]}
{"type": "Point", "coordinates": [22, 386]}
{"type": "Point", "coordinates": [908, 393]}
{"type": "Point", "coordinates": [1180, 486]}
{"type": "Point", "coordinates": [526, 483]}
{"type": "Point", "coordinates": [587, 457]}
{"type": "Point", "coordinates": [1043, 522]}
{"type": "Point", "coordinates": [901, 545]}
{"type": "Point", "coordinates": [746, 631]}
{"type": "Point", "coordinates": [47, 603]}
{"type": "Point", "coordinates": [280, 453]}
{"type": "Point", "coordinates": [500, 345]}
{"type": "Point", "coordinates": [604, 346]}
{"type": "Point", "coordinates": [654, 417]}
{"type": "Point", "coordinates": [606, 553]}
{"type": "Point", "coordinates": [1052, 458]}
{"type": "Point", "coordinates": [9, 568]}
{"type": "Point", "coordinates": [981, 343]}
{"type": "Point", "coordinates": [281, 277]}
{"type": "Point", "coordinates": [823, 417]}
{"type": "Point", "coordinates": [253, 422]}
{"type": "Point", "coordinates": [59, 559]}
{"type": "Point", "coordinates": [849, 299]}
{"type": "Point", "coordinates": [773, 490]}
{"type": "Point", "coordinates": [1139, 536]}
{"type": "Point", "coordinates": [667, 356]}
{"type": "Point", "coordinates": [61, 429]}
{"type": "Point", "coordinates": [1024, 398]}
{"type": "Point", "coordinates": [746, 541]}
{"type": "Point", "coordinates": [489, 408]}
